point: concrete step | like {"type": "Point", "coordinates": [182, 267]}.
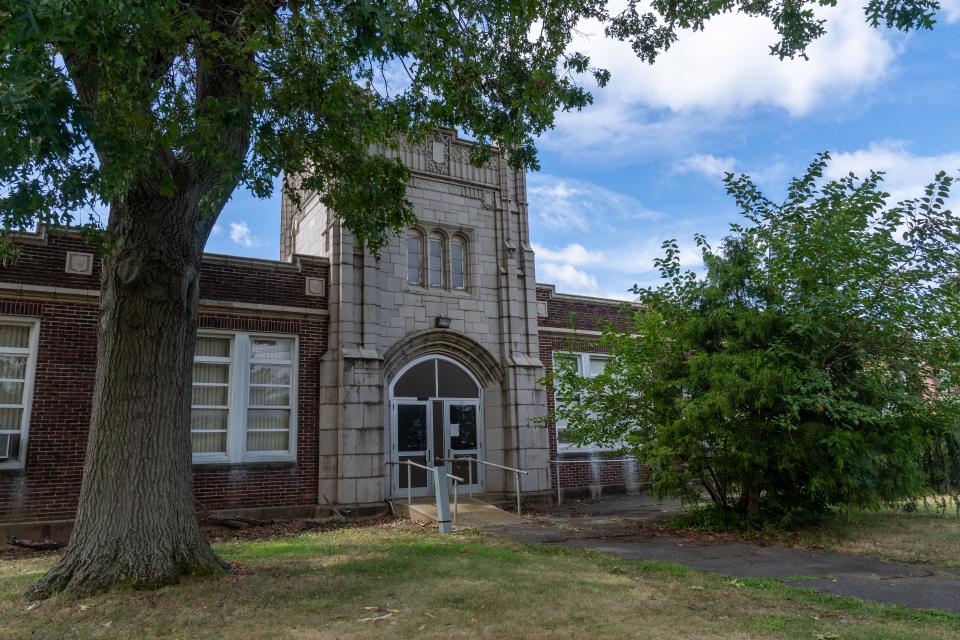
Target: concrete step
{"type": "Point", "coordinates": [473, 512]}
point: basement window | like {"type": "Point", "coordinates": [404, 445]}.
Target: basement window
{"type": "Point", "coordinates": [244, 397]}
{"type": "Point", "coordinates": [18, 361]}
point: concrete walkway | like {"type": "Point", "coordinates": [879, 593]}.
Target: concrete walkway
{"type": "Point", "coordinates": [614, 526]}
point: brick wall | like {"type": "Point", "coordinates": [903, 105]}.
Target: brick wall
{"type": "Point", "coordinates": [582, 473]}
{"type": "Point", "coordinates": [47, 488]}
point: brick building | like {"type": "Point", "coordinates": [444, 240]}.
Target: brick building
{"type": "Point", "coordinates": [316, 374]}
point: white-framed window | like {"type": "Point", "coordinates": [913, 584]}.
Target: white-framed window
{"type": "Point", "coordinates": [18, 361]}
{"type": "Point", "coordinates": [414, 247]}
{"type": "Point", "coordinates": [458, 263]}
{"type": "Point", "coordinates": [588, 365]}
{"type": "Point", "coordinates": [244, 397]}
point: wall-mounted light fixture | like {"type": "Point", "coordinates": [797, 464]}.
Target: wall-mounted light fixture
{"type": "Point", "coordinates": [442, 322]}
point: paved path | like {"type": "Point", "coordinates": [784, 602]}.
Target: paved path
{"type": "Point", "coordinates": [614, 526]}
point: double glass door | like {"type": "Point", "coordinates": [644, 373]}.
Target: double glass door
{"type": "Point", "coordinates": [425, 430]}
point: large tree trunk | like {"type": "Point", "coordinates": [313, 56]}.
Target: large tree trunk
{"type": "Point", "coordinates": [136, 522]}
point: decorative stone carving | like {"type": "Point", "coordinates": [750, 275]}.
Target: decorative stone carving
{"type": "Point", "coordinates": [542, 310]}
{"type": "Point", "coordinates": [79, 264]}
{"type": "Point", "coordinates": [316, 287]}
{"type": "Point", "coordinates": [437, 151]}
{"type": "Point", "coordinates": [487, 200]}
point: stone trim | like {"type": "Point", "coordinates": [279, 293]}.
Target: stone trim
{"type": "Point", "coordinates": [465, 350]}
{"type": "Point", "coordinates": [92, 296]}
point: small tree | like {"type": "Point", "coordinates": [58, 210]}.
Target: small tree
{"type": "Point", "coordinates": [811, 363]}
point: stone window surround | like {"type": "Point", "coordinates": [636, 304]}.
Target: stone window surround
{"type": "Point", "coordinates": [448, 234]}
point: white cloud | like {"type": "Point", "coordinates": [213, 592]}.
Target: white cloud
{"type": "Point", "coordinates": [568, 278]}
{"type": "Point", "coordinates": [709, 77]}
{"type": "Point", "coordinates": [574, 254]}
{"type": "Point", "coordinates": [217, 230]}
{"type": "Point", "coordinates": [241, 234]}
{"type": "Point", "coordinates": [567, 203]}
{"type": "Point", "coordinates": [906, 174]}
{"type": "Point", "coordinates": [950, 10]}
{"type": "Point", "coordinates": [706, 164]}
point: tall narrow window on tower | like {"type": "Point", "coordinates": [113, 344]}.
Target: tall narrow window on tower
{"type": "Point", "coordinates": [458, 257]}
{"type": "Point", "coordinates": [436, 260]}
{"type": "Point", "coordinates": [414, 270]}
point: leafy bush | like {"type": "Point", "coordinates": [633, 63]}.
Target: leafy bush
{"type": "Point", "coordinates": [811, 365]}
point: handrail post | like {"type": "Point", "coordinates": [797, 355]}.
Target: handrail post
{"type": "Point", "coordinates": [516, 487]}
{"type": "Point", "coordinates": [470, 463]}
{"type": "Point", "coordinates": [559, 491]}
{"type": "Point", "coordinates": [409, 485]}
{"type": "Point", "coordinates": [443, 499]}
{"type": "Point", "coordinates": [456, 501]}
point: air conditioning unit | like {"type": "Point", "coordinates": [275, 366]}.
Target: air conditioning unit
{"type": "Point", "coordinates": [5, 439]}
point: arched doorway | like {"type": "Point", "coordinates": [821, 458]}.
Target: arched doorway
{"type": "Point", "coordinates": [436, 411]}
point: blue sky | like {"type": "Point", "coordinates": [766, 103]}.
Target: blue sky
{"type": "Point", "coordinates": [645, 162]}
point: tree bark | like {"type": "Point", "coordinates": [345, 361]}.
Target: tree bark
{"type": "Point", "coordinates": [136, 523]}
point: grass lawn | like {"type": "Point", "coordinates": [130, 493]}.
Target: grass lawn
{"type": "Point", "coordinates": [919, 536]}
{"type": "Point", "coordinates": [400, 581]}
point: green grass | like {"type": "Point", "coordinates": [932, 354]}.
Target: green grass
{"type": "Point", "coordinates": [329, 585]}
{"type": "Point", "coordinates": [920, 536]}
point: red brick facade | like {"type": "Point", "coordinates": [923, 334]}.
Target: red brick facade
{"type": "Point", "coordinates": [572, 323]}
{"type": "Point", "coordinates": [236, 294]}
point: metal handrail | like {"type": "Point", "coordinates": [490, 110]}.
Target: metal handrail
{"type": "Point", "coordinates": [436, 480]}
{"type": "Point", "coordinates": [516, 476]}
{"type": "Point", "coordinates": [581, 461]}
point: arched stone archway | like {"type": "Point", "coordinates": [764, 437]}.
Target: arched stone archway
{"type": "Point", "coordinates": [470, 353]}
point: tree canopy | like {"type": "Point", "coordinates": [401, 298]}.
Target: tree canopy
{"type": "Point", "coordinates": [99, 94]}
{"type": "Point", "coordinates": [811, 363]}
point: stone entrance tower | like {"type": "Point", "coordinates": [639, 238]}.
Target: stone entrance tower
{"type": "Point", "coordinates": [382, 318]}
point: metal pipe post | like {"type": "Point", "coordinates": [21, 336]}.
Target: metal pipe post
{"type": "Point", "coordinates": [470, 475]}
{"type": "Point", "coordinates": [456, 501]}
{"type": "Point", "coordinates": [516, 487]}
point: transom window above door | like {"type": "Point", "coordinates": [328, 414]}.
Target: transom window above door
{"type": "Point", "coordinates": [435, 378]}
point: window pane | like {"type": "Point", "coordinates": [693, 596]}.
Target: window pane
{"type": "Point", "coordinates": [457, 265]}
{"type": "Point", "coordinates": [269, 374]}
{"type": "Point", "coordinates": [209, 419]}
{"type": "Point", "coordinates": [436, 262]}
{"type": "Point", "coordinates": [278, 349]}
{"type": "Point", "coordinates": [9, 447]}
{"type": "Point", "coordinates": [419, 382]}
{"type": "Point", "coordinates": [209, 442]}
{"type": "Point", "coordinates": [268, 419]}
{"type": "Point", "coordinates": [454, 382]}
{"type": "Point", "coordinates": [411, 427]}
{"type": "Point", "coordinates": [13, 367]}
{"type": "Point", "coordinates": [11, 418]}
{"type": "Point", "coordinates": [15, 335]}
{"type": "Point", "coordinates": [268, 441]}
{"type": "Point", "coordinates": [413, 259]}
{"type": "Point", "coordinates": [210, 396]}
{"type": "Point", "coordinates": [11, 392]}
{"type": "Point", "coordinates": [211, 373]}
{"type": "Point", "coordinates": [270, 396]}
{"type": "Point", "coordinates": [597, 364]}
{"type": "Point", "coordinates": [213, 347]}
